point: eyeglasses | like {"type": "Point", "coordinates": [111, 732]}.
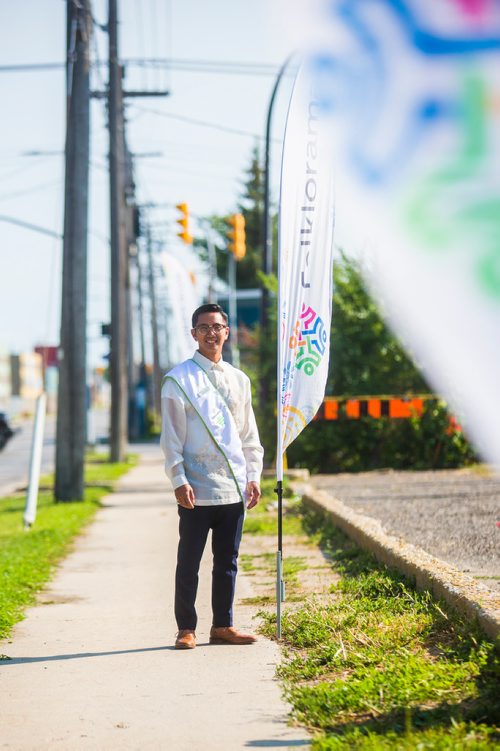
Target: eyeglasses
{"type": "Point", "coordinates": [204, 328]}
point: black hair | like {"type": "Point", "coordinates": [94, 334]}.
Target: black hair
{"type": "Point", "coordinates": [209, 307]}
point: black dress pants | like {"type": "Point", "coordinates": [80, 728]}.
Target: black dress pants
{"type": "Point", "coordinates": [226, 523]}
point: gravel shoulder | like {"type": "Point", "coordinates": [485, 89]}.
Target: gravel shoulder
{"type": "Point", "coordinates": [451, 514]}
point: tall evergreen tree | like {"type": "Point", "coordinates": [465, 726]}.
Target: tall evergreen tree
{"type": "Point", "coordinates": [251, 205]}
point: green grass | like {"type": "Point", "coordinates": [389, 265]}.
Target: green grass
{"type": "Point", "coordinates": [27, 559]}
{"type": "Point", "coordinates": [267, 562]}
{"type": "Point", "coordinates": [263, 519]}
{"type": "Point", "coordinates": [377, 665]}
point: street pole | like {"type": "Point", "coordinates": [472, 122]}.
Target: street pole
{"type": "Point", "coordinates": [154, 328]}
{"type": "Point", "coordinates": [131, 245]}
{"type": "Point", "coordinates": [165, 361]}
{"type": "Point", "coordinates": [141, 311]}
{"type": "Point", "coordinates": [119, 250]}
{"type": "Point", "coordinates": [267, 237]}
{"type": "Point", "coordinates": [212, 270]}
{"type": "Point", "coordinates": [233, 315]}
{"type": "Point", "coordinates": [71, 411]}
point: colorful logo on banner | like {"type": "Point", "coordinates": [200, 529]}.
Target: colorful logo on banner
{"type": "Point", "coordinates": [306, 348]}
{"type": "Point", "coordinates": [308, 341]}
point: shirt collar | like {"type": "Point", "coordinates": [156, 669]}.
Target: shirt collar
{"type": "Point", "coordinates": [207, 364]}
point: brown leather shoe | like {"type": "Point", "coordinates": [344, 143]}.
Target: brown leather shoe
{"type": "Point", "coordinates": [229, 635]}
{"type": "Point", "coordinates": [186, 639]}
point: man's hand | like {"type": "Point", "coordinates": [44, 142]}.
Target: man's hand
{"type": "Point", "coordinates": [184, 495]}
{"type": "Point", "coordinates": [253, 494]}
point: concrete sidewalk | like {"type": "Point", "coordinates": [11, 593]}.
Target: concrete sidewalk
{"type": "Point", "coordinates": [93, 665]}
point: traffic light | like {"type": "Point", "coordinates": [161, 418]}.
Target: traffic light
{"type": "Point", "coordinates": [237, 236]}
{"type": "Point", "coordinates": [184, 222]}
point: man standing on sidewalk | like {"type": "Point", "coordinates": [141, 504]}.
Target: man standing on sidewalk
{"type": "Point", "coordinates": [213, 458]}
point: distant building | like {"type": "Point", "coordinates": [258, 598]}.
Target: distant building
{"type": "Point", "coordinates": [48, 354]}
{"type": "Point", "coordinates": [26, 375]}
{"type": "Point", "coordinates": [5, 378]}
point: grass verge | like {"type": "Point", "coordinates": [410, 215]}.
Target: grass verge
{"type": "Point", "coordinates": [262, 520]}
{"type": "Point", "coordinates": [27, 559]}
{"type": "Point", "coordinates": [373, 664]}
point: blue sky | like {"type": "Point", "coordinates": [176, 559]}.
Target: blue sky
{"type": "Point", "coordinates": [198, 164]}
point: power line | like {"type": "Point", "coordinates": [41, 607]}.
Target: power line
{"type": "Point", "coordinates": [19, 170]}
{"type": "Point", "coordinates": [203, 123]}
{"type": "Point", "coordinates": [176, 170]}
{"type": "Point", "coordinates": [28, 67]}
{"type": "Point", "coordinates": [33, 189]}
{"type": "Point", "coordinates": [232, 67]}
{"type": "Point", "coordinates": [37, 153]}
{"type": "Point", "coordinates": [28, 225]}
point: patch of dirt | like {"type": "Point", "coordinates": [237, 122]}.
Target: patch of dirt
{"type": "Point", "coordinates": [314, 578]}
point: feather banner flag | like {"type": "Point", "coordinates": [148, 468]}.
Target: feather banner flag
{"type": "Point", "coordinates": [414, 87]}
{"type": "Point", "coordinates": [305, 261]}
{"type": "Point", "coordinates": [182, 298]}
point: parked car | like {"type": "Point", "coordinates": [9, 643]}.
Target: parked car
{"type": "Point", "coordinates": [6, 431]}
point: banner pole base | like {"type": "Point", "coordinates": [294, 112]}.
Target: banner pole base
{"type": "Point", "coordinates": [280, 584]}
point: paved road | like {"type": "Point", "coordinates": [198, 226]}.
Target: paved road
{"type": "Point", "coordinates": [15, 457]}
{"type": "Point", "coordinates": [93, 666]}
{"type": "Point", "coordinates": [451, 514]}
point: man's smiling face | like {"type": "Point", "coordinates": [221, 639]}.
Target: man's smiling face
{"type": "Point", "coordinates": [210, 342]}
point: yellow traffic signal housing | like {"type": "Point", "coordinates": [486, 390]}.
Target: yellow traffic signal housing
{"type": "Point", "coordinates": [237, 236]}
{"type": "Point", "coordinates": [184, 223]}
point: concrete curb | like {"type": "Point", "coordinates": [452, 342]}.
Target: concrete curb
{"type": "Point", "coordinates": [460, 591]}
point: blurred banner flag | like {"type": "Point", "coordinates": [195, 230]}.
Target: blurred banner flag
{"type": "Point", "coordinates": [305, 260]}
{"type": "Point", "coordinates": [182, 299]}
{"type": "Point", "coordinates": [413, 87]}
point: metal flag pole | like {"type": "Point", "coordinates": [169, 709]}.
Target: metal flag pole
{"type": "Point", "coordinates": [267, 239]}
{"type": "Point", "coordinates": [280, 584]}
{"type": "Point", "coordinates": [35, 461]}
{"type": "Point", "coordinates": [304, 275]}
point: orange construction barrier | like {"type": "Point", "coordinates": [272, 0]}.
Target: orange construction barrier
{"type": "Point", "coordinates": [395, 407]}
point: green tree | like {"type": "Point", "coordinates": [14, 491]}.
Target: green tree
{"type": "Point", "coordinates": [251, 205]}
{"type": "Point", "coordinates": [366, 359]}
{"type": "Point", "coordinates": [248, 270]}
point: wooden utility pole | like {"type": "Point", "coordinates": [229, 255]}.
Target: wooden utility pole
{"type": "Point", "coordinates": [119, 249]}
{"type": "Point", "coordinates": [120, 321]}
{"type": "Point", "coordinates": [71, 412]}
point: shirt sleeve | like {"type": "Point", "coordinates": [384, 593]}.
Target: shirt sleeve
{"type": "Point", "coordinates": [252, 449]}
{"type": "Point", "coordinates": [173, 433]}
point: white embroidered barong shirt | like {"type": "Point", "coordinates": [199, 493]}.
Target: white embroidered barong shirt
{"type": "Point", "coordinates": [190, 454]}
